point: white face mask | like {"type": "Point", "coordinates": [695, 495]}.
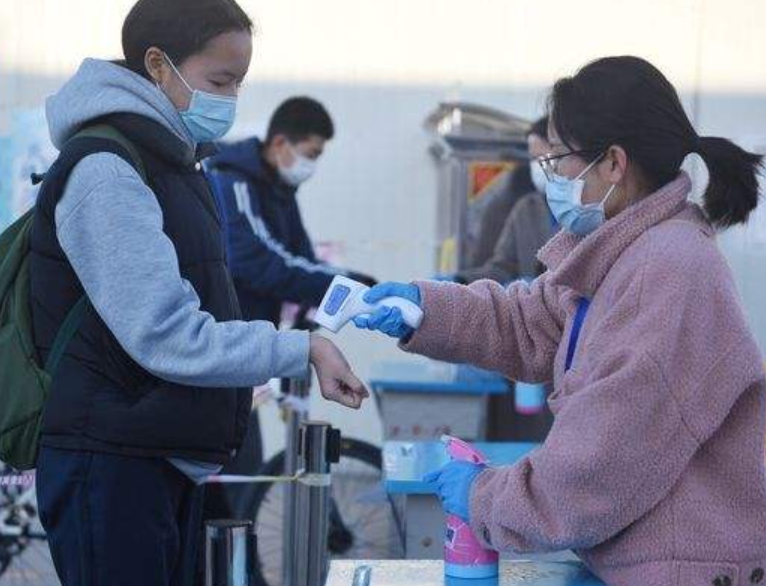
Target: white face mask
{"type": "Point", "coordinates": [538, 177]}
{"type": "Point", "coordinates": [300, 171]}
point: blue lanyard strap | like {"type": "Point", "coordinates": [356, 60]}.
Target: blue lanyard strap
{"type": "Point", "coordinates": [582, 309]}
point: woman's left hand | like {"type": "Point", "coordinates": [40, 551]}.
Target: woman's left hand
{"type": "Point", "coordinates": [452, 484]}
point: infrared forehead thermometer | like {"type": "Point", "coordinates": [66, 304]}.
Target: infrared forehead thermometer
{"type": "Point", "coordinates": [344, 301]}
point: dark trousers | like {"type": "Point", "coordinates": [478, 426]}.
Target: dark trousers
{"type": "Point", "coordinates": [117, 520]}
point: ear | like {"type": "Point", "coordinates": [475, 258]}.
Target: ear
{"type": "Point", "coordinates": [615, 164]}
{"type": "Point", "coordinates": [156, 65]}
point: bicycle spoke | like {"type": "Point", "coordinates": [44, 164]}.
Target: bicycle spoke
{"type": "Point", "coordinates": [360, 501]}
{"type": "Point", "coordinates": [272, 514]}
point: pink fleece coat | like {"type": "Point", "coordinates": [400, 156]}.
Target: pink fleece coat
{"type": "Point", "coordinates": [653, 471]}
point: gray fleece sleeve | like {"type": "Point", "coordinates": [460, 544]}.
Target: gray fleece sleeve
{"type": "Point", "coordinates": [109, 224]}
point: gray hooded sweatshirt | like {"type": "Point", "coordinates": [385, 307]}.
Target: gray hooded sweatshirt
{"type": "Point", "coordinates": [109, 225]}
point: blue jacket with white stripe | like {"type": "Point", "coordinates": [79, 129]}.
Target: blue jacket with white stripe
{"type": "Point", "coordinates": [269, 253]}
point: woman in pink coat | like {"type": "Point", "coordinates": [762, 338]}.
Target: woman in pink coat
{"type": "Point", "coordinates": [653, 472]}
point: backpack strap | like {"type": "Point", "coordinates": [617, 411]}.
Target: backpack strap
{"type": "Point", "coordinates": [65, 334]}
{"type": "Point", "coordinates": [103, 130]}
{"type": "Point", "coordinates": [75, 315]}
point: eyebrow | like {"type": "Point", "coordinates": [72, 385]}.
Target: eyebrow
{"type": "Point", "coordinates": [228, 73]}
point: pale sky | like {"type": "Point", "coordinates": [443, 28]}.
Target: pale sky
{"type": "Point", "coordinates": [715, 43]}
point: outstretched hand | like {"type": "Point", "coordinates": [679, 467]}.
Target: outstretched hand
{"type": "Point", "coordinates": [337, 381]}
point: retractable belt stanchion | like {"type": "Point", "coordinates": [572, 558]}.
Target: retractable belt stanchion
{"type": "Point", "coordinates": [230, 553]}
{"type": "Point", "coordinates": [318, 448]}
{"type": "Point", "coordinates": [230, 545]}
{"type": "Point", "coordinates": [298, 390]}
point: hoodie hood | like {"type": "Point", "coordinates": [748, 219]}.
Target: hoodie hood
{"type": "Point", "coordinates": [100, 88]}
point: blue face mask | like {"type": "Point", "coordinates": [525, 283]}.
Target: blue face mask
{"type": "Point", "coordinates": [209, 116]}
{"type": "Point", "coordinates": [564, 197]}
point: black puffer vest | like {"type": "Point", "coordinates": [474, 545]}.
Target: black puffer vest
{"type": "Point", "coordinates": [101, 400]}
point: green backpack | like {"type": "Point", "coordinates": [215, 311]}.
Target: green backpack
{"type": "Point", "coordinates": [24, 382]}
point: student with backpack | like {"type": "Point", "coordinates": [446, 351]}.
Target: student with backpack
{"type": "Point", "coordinates": [125, 263]}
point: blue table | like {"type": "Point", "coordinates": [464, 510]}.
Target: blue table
{"type": "Point", "coordinates": [425, 399]}
{"type": "Point", "coordinates": [431, 573]}
{"type": "Point", "coordinates": [437, 377]}
{"type": "Point", "coordinates": [405, 464]}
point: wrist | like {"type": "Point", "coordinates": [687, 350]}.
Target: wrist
{"type": "Point", "coordinates": [316, 345]}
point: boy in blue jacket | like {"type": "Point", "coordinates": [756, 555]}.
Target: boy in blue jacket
{"type": "Point", "coordinates": [270, 255]}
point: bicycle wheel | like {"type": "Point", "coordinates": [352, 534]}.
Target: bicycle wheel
{"type": "Point", "coordinates": [24, 554]}
{"type": "Point", "coordinates": [363, 521]}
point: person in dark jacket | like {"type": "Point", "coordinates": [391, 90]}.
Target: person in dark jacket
{"type": "Point", "coordinates": [496, 212]}
{"type": "Point", "coordinates": [154, 390]}
{"type": "Point", "coordinates": [528, 226]}
{"type": "Point", "coordinates": [271, 257]}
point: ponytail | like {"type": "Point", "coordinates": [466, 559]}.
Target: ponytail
{"type": "Point", "coordinates": [732, 191]}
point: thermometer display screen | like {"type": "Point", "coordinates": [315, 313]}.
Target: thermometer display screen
{"type": "Point", "coordinates": [338, 296]}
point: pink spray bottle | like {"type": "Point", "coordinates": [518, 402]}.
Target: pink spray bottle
{"type": "Point", "coordinates": [464, 557]}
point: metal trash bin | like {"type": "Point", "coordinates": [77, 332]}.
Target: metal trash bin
{"type": "Point", "coordinates": [476, 149]}
{"type": "Point", "coordinates": [230, 553]}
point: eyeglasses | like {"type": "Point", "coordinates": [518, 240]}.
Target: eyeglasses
{"type": "Point", "coordinates": [549, 163]}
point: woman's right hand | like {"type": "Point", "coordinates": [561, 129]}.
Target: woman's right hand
{"type": "Point", "coordinates": [389, 320]}
{"type": "Point", "coordinates": [337, 382]}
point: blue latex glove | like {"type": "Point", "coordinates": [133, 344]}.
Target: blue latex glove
{"type": "Point", "coordinates": [389, 320]}
{"type": "Point", "coordinates": [452, 484]}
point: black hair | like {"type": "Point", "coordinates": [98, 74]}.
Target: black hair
{"type": "Point", "coordinates": [539, 128]}
{"type": "Point", "coordinates": [299, 118]}
{"type": "Point", "coordinates": [181, 28]}
{"type": "Point", "coordinates": [626, 101]}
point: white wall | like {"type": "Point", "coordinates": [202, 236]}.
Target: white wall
{"type": "Point", "coordinates": [381, 66]}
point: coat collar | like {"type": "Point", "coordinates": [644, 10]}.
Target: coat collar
{"type": "Point", "coordinates": [582, 263]}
